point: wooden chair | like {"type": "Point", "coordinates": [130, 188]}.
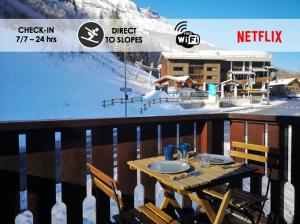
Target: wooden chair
{"type": "Point", "coordinates": [243, 202]}
{"type": "Point", "coordinates": [147, 214]}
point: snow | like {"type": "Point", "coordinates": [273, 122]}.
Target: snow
{"type": "Point", "coordinates": [155, 94]}
{"type": "Point", "coordinates": [284, 82]}
{"type": "Point", "coordinates": [220, 55]}
{"type": "Point", "coordinates": [175, 78]}
{"type": "Point", "coordinates": [62, 86]}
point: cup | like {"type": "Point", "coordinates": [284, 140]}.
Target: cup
{"type": "Point", "coordinates": [204, 160]}
{"type": "Point", "coordinates": [168, 151]}
{"type": "Point", "coordinates": [184, 150]}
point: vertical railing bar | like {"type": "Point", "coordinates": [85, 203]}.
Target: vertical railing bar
{"type": "Point", "coordinates": [115, 153]}
{"type": "Point", "coordinates": [266, 140]}
{"type": "Point", "coordinates": [289, 153]}
{"type": "Point", "coordinates": [159, 149]}
{"type": "Point", "coordinates": [177, 134]}
{"type": "Point", "coordinates": [23, 173]}
{"type": "Point", "coordinates": [88, 142]}
{"type": "Point", "coordinates": [246, 138]}
{"type": "Point", "coordinates": [57, 137]}
{"type": "Point", "coordinates": [195, 136]}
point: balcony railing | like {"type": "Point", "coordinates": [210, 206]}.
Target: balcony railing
{"type": "Point", "coordinates": [112, 142]}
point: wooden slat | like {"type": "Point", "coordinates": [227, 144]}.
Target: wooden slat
{"type": "Point", "coordinates": [105, 184]}
{"type": "Point", "coordinates": [186, 133]}
{"type": "Point", "coordinates": [254, 147]}
{"type": "Point", "coordinates": [148, 148]}
{"type": "Point", "coordinates": [206, 136]}
{"type": "Point", "coordinates": [127, 150]}
{"type": "Point", "coordinates": [168, 133]}
{"type": "Point", "coordinates": [237, 133]}
{"type": "Point", "coordinates": [199, 131]}
{"type": "Point", "coordinates": [40, 146]}
{"type": "Point", "coordinates": [102, 176]}
{"type": "Point", "coordinates": [212, 136]}
{"type": "Point", "coordinates": [249, 156]}
{"type": "Point", "coordinates": [102, 159]}
{"type": "Point", "coordinates": [73, 158]}
{"type": "Point", "coordinates": [214, 193]}
{"type": "Point", "coordinates": [256, 135]}
{"type": "Point", "coordinates": [161, 213]}
{"type": "Point", "coordinates": [276, 142]}
{"type": "Point", "coordinates": [218, 136]}
{"type": "Point", "coordinates": [151, 215]}
{"type": "Point", "coordinates": [9, 171]}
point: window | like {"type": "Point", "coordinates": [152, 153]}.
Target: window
{"type": "Point", "coordinates": [211, 69]}
{"type": "Point", "coordinates": [177, 68]}
{"type": "Point", "coordinates": [209, 77]}
{"type": "Point", "coordinates": [196, 69]}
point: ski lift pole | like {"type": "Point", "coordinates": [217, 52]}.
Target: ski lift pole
{"type": "Point", "coordinates": [125, 75]}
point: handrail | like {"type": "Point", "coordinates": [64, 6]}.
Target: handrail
{"type": "Point", "coordinates": [158, 100]}
{"type": "Point", "coordinates": [114, 101]}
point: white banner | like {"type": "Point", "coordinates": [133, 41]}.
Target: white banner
{"type": "Point", "coordinates": [148, 35]}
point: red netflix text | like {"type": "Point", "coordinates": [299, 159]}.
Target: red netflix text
{"type": "Point", "coordinates": [247, 36]}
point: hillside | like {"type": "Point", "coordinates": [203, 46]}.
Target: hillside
{"type": "Point", "coordinates": [53, 86]}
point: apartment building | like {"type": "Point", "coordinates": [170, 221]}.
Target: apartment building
{"type": "Point", "coordinates": [251, 69]}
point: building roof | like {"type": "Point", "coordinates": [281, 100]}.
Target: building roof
{"type": "Point", "coordinates": [284, 82]}
{"type": "Point", "coordinates": [242, 72]}
{"type": "Point", "coordinates": [225, 55]}
{"type": "Point", "coordinates": [174, 78]}
{"type": "Point", "coordinates": [259, 69]}
{"type": "Point", "coordinates": [230, 81]}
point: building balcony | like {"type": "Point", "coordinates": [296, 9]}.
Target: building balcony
{"type": "Point", "coordinates": [38, 156]}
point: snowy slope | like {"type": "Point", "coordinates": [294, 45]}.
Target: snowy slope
{"type": "Point", "coordinates": [53, 86]}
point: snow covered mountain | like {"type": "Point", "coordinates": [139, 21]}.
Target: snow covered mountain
{"type": "Point", "coordinates": [71, 85]}
{"type": "Point", "coordinates": [127, 10]}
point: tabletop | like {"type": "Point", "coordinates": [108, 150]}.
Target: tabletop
{"type": "Point", "coordinates": [212, 176]}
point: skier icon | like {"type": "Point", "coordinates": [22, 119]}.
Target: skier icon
{"type": "Point", "coordinates": [92, 33]}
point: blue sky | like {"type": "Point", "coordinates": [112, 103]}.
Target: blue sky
{"type": "Point", "coordinates": [233, 9]}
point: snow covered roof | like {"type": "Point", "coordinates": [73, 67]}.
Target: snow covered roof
{"type": "Point", "coordinates": [259, 70]}
{"type": "Point", "coordinates": [221, 55]}
{"type": "Point", "coordinates": [230, 81]}
{"type": "Point", "coordinates": [174, 78]}
{"type": "Point", "coordinates": [279, 82]}
{"type": "Point", "coordinates": [242, 72]}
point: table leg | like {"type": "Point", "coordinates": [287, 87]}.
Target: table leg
{"type": "Point", "coordinates": [169, 198]}
{"type": "Point", "coordinates": [223, 206]}
{"type": "Point", "coordinates": [201, 200]}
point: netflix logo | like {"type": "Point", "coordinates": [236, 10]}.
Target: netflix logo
{"type": "Point", "coordinates": [247, 36]}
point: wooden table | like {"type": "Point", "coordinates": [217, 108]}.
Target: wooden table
{"type": "Point", "coordinates": [195, 187]}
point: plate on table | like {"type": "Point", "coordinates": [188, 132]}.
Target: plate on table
{"type": "Point", "coordinates": [216, 159]}
{"type": "Point", "coordinates": [169, 166]}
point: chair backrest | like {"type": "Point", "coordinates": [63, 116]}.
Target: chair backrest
{"type": "Point", "coordinates": [106, 184]}
{"type": "Point", "coordinates": [249, 155]}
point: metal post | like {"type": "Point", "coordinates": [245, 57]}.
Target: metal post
{"type": "Point", "coordinates": [125, 83]}
{"type": "Point", "coordinates": [268, 89]}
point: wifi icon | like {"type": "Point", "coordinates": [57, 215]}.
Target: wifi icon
{"type": "Point", "coordinates": [186, 38]}
{"type": "Point", "coordinates": [180, 27]}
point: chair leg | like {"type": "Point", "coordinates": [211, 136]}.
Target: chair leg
{"type": "Point", "coordinates": [260, 212]}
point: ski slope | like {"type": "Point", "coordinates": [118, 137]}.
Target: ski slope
{"type": "Point", "coordinates": [61, 86]}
